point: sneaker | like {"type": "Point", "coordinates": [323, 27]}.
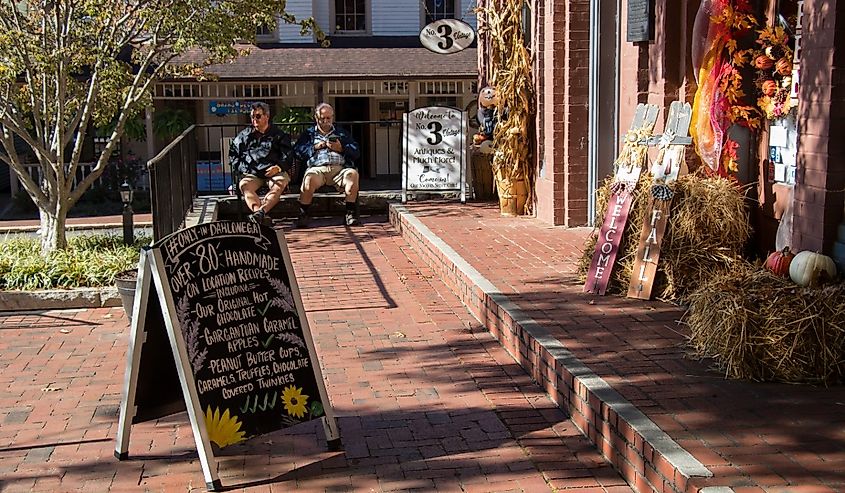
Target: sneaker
{"type": "Point", "coordinates": [302, 220]}
{"type": "Point", "coordinates": [257, 217]}
{"type": "Point", "coordinates": [351, 220]}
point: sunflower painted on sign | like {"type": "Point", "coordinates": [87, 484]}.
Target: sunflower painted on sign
{"type": "Point", "coordinates": [294, 401]}
{"type": "Point", "coordinates": [223, 430]}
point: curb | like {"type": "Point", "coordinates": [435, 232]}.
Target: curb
{"type": "Point", "coordinates": [55, 299]}
{"type": "Point", "coordinates": [646, 457]}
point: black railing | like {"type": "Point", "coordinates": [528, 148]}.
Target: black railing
{"type": "Point", "coordinates": [196, 162]}
{"type": "Point", "coordinates": [173, 183]}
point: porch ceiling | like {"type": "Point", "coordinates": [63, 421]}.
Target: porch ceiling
{"type": "Point", "coordinates": [286, 63]}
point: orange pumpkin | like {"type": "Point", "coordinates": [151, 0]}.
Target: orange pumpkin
{"type": "Point", "coordinates": [784, 66]}
{"type": "Point", "coordinates": [763, 62]}
{"type": "Point", "coordinates": [778, 262]}
{"type": "Point", "coordinates": [769, 87]}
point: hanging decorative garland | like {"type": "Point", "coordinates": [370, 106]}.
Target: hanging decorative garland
{"type": "Point", "coordinates": [720, 99]}
{"type": "Point", "coordinates": [773, 61]}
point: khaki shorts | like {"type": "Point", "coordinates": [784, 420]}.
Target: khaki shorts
{"type": "Point", "coordinates": [330, 175]}
{"type": "Point", "coordinates": [281, 179]}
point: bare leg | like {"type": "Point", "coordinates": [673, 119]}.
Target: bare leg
{"type": "Point", "coordinates": [277, 187]}
{"type": "Point", "coordinates": [310, 184]}
{"type": "Point", "coordinates": [249, 186]}
{"type": "Point", "coordinates": [350, 185]}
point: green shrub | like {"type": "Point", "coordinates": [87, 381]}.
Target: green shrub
{"type": "Point", "coordinates": [88, 261]}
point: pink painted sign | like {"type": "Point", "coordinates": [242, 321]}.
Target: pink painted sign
{"type": "Point", "coordinates": [607, 246]}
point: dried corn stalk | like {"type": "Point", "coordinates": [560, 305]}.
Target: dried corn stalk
{"type": "Point", "coordinates": [510, 67]}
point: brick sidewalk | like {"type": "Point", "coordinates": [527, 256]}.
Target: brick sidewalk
{"type": "Point", "coordinates": [752, 436]}
{"type": "Point", "coordinates": [426, 399]}
{"type": "Point", "coordinates": [96, 222]}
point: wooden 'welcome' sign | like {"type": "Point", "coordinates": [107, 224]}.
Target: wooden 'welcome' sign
{"type": "Point", "coordinates": [225, 321]}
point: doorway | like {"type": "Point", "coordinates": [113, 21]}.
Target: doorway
{"type": "Point", "coordinates": [604, 94]}
{"type": "Point", "coordinates": [388, 137]}
{"type": "Point", "coordinates": [354, 113]}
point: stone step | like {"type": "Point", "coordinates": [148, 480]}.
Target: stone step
{"type": "Point", "coordinates": [324, 204]}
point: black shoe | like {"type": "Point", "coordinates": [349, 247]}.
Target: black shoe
{"type": "Point", "coordinates": [351, 220]}
{"type": "Point", "coordinates": [302, 221]}
{"type": "Point", "coordinates": [257, 217]}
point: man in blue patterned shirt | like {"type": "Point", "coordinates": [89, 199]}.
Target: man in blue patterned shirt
{"type": "Point", "coordinates": [329, 153]}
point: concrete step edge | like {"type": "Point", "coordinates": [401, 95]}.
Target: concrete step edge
{"type": "Point", "coordinates": [496, 311]}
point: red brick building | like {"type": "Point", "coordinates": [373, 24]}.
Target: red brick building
{"type": "Point", "coordinates": [589, 78]}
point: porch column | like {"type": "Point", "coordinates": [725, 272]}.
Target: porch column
{"type": "Point", "coordinates": [820, 174]}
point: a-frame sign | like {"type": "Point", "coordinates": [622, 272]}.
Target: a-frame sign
{"type": "Point", "coordinates": [668, 166]}
{"type": "Point", "coordinates": [219, 329]}
{"type": "Point", "coordinates": [628, 166]}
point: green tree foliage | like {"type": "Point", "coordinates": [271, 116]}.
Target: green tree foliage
{"type": "Point", "coordinates": [67, 66]}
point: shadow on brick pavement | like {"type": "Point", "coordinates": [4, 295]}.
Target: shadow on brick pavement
{"type": "Point", "coordinates": [750, 436]}
{"type": "Point", "coordinates": [426, 399]}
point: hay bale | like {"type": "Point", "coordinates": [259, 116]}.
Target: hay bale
{"type": "Point", "coordinates": [706, 235]}
{"type": "Point", "coordinates": [758, 326]}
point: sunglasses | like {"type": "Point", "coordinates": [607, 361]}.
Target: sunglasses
{"type": "Point", "coordinates": [257, 116]}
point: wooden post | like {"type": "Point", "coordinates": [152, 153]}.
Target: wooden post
{"type": "Point", "coordinates": [629, 165]}
{"type": "Point", "coordinates": [665, 171]}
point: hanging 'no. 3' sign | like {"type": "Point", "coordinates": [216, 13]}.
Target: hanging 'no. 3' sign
{"type": "Point", "coordinates": [447, 36]}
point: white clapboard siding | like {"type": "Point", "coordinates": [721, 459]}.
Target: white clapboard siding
{"type": "Point", "coordinates": [467, 13]}
{"type": "Point", "coordinates": [396, 17]}
{"type": "Point", "coordinates": [322, 14]}
{"type": "Point", "coordinates": [289, 33]}
{"type": "Point", "coordinates": [387, 17]}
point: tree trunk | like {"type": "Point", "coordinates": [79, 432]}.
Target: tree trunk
{"type": "Point", "coordinates": [53, 235]}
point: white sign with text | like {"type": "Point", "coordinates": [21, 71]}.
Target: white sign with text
{"type": "Point", "coordinates": [434, 157]}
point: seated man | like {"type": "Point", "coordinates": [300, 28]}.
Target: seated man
{"type": "Point", "coordinates": [262, 154]}
{"type": "Point", "coordinates": [329, 153]}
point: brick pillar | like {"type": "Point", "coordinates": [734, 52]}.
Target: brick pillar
{"type": "Point", "coordinates": [561, 182]}
{"type": "Point", "coordinates": [820, 175]}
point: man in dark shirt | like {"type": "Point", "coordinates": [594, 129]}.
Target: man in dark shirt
{"type": "Point", "coordinates": [262, 154]}
{"type": "Point", "coordinates": [329, 153]}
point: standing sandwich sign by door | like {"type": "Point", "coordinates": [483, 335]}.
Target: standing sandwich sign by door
{"type": "Point", "coordinates": [434, 151]}
{"type": "Point", "coordinates": [224, 298]}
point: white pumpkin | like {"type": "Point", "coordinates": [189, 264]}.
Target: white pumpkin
{"type": "Point", "coordinates": [808, 268]}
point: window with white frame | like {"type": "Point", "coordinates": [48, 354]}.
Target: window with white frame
{"type": "Point", "coordinates": [350, 16]}
{"type": "Point", "coordinates": [439, 9]}
{"type": "Point", "coordinates": [266, 32]}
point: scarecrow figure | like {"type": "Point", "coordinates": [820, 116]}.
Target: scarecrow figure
{"type": "Point", "coordinates": [488, 115]}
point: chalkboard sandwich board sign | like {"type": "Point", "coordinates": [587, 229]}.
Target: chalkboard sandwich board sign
{"type": "Point", "coordinates": [225, 295]}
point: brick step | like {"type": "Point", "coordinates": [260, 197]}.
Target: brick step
{"type": "Point", "coordinates": [324, 204]}
{"type": "Point", "coordinates": [648, 458]}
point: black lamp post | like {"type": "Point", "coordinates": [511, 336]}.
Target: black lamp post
{"type": "Point", "coordinates": [126, 193]}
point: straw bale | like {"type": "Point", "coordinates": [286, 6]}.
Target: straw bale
{"type": "Point", "coordinates": [758, 326]}
{"type": "Point", "coordinates": [706, 235]}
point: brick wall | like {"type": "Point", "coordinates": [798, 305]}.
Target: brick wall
{"type": "Point", "coordinates": [657, 72]}
{"type": "Point", "coordinates": [820, 176]}
{"type": "Point", "coordinates": [561, 183]}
